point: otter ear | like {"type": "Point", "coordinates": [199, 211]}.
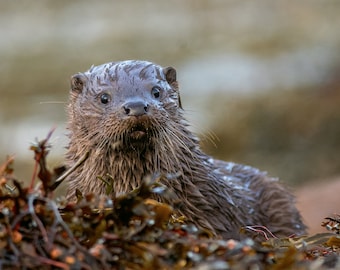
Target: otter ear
{"type": "Point", "coordinates": [170, 74]}
{"type": "Point", "coordinates": [78, 82]}
{"type": "Point", "coordinates": [171, 78]}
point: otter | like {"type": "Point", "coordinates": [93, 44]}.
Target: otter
{"type": "Point", "coordinates": [128, 116]}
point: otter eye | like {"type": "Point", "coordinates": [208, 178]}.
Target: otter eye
{"type": "Point", "coordinates": [156, 92]}
{"type": "Point", "coordinates": [105, 98]}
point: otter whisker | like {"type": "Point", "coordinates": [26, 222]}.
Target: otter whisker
{"type": "Point", "coordinates": [70, 170]}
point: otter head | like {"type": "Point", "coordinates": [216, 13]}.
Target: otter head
{"type": "Point", "coordinates": [123, 105]}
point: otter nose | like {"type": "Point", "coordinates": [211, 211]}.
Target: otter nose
{"type": "Point", "coordinates": [136, 108]}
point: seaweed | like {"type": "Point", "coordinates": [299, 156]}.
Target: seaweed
{"type": "Point", "coordinates": [132, 231]}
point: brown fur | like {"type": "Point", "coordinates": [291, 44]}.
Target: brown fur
{"type": "Point", "coordinates": [128, 146]}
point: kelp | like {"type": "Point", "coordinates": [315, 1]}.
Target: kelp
{"type": "Point", "coordinates": [132, 231]}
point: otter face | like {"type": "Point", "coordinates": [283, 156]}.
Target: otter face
{"type": "Point", "coordinates": [128, 102]}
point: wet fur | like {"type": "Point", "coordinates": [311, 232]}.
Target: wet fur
{"type": "Point", "coordinates": [219, 196]}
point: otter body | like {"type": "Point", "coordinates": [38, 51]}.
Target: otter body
{"type": "Point", "coordinates": [128, 116]}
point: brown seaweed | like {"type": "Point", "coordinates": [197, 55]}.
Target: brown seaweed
{"type": "Point", "coordinates": [132, 231]}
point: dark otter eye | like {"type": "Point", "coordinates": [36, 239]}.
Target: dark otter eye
{"type": "Point", "coordinates": [156, 92]}
{"type": "Point", "coordinates": [105, 98]}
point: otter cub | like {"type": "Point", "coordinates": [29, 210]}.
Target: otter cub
{"type": "Point", "coordinates": [128, 116]}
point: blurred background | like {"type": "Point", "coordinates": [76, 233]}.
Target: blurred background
{"type": "Point", "coordinates": [260, 80]}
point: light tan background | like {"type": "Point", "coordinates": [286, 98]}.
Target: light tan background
{"type": "Point", "coordinates": [259, 78]}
